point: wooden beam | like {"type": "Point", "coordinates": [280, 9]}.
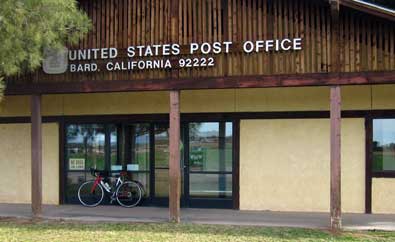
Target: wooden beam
{"type": "Point", "coordinates": [36, 149]}
{"type": "Point", "coordinates": [167, 84]}
{"type": "Point", "coordinates": [174, 160]}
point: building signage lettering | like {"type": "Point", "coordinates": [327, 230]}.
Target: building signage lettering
{"type": "Point", "coordinates": [86, 60]}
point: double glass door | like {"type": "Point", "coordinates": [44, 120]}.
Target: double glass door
{"type": "Point", "coordinates": [143, 150]}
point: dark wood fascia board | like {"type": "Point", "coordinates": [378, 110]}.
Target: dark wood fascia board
{"type": "Point", "coordinates": [368, 9]}
{"type": "Point", "coordinates": [384, 174]}
{"type": "Point", "coordinates": [255, 81]}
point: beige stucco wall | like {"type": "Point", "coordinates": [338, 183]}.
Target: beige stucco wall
{"type": "Point", "coordinates": [383, 195]}
{"type": "Point", "coordinates": [286, 99]}
{"type": "Point", "coordinates": [89, 104]}
{"type": "Point", "coordinates": [232, 100]}
{"type": "Point", "coordinates": [284, 165]}
{"type": "Point", "coordinates": [116, 103]}
{"type": "Point", "coordinates": [15, 172]}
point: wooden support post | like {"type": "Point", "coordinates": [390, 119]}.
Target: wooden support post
{"type": "Point", "coordinates": [174, 139]}
{"type": "Point", "coordinates": [335, 195]}
{"type": "Point", "coordinates": [174, 161]}
{"type": "Point", "coordinates": [36, 149]}
{"type": "Point", "coordinates": [335, 114]}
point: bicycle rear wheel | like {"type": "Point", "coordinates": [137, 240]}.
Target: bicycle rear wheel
{"type": "Point", "coordinates": [129, 194]}
{"type": "Point", "coordinates": [89, 194]}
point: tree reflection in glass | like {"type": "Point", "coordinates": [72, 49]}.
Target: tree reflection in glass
{"type": "Point", "coordinates": [86, 142]}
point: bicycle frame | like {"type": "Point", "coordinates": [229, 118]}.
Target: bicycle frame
{"type": "Point", "coordinates": [99, 180]}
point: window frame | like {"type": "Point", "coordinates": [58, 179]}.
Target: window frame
{"type": "Point", "coordinates": [369, 148]}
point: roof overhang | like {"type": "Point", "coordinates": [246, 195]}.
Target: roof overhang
{"type": "Point", "coordinates": [369, 8]}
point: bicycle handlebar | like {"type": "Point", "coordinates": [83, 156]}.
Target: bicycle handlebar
{"type": "Point", "coordinates": [105, 173]}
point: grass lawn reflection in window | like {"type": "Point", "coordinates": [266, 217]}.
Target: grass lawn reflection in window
{"type": "Point", "coordinates": [383, 145]}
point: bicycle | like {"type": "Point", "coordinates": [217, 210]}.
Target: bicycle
{"type": "Point", "coordinates": [127, 193]}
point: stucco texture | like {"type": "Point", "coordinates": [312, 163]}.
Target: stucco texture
{"type": "Point", "coordinates": [284, 165]}
{"type": "Point", "coordinates": [15, 150]}
{"type": "Point", "coordinates": [89, 104]}
{"type": "Point", "coordinates": [231, 100]}
{"type": "Point", "coordinates": [286, 99]}
{"type": "Point", "coordinates": [383, 195]}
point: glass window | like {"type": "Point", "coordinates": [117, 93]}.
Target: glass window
{"type": "Point", "coordinates": [210, 159]}
{"type": "Point", "coordinates": [143, 179]}
{"type": "Point", "coordinates": [161, 160]}
{"type": "Point", "coordinates": [210, 185]}
{"type": "Point", "coordinates": [161, 183]}
{"type": "Point", "coordinates": [73, 182]}
{"type": "Point", "coordinates": [210, 146]}
{"type": "Point", "coordinates": [161, 146]}
{"type": "Point", "coordinates": [138, 159]}
{"type": "Point", "coordinates": [140, 145]}
{"type": "Point", "coordinates": [85, 147]}
{"type": "Point", "coordinates": [115, 160]}
{"type": "Point", "coordinates": [383, 145]}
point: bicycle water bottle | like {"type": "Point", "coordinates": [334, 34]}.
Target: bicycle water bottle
{"type": "Point", "coordinates": [107, 186]}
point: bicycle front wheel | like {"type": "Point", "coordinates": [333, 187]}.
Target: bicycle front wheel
{"type": "Point", "coordinates": [129, 194]}
{"type": "Point", "coordinates": [89, 194]}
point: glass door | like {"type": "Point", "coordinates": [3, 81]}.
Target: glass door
{"type": "Point", "coordinates": [208, 164]}
{"type": "Point", "coordinates": [142, 149]}
{"type": "Point", "coordinates": [147, 159]}
{"type": "Point", "coordinates": [161, 162]}
{"type": "Point", "coordinates": [138, 155]}
{"type": "Point", "coordinates": [87, 146]}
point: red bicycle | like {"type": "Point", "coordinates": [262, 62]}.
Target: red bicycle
{"type": "Point", "coordinates": [127, 193]}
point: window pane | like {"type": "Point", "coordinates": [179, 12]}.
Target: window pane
{"type": "Point", "coordinates": [384, 145]}
{"type": "Point", "coordinates": [161, 146]}
{"type": "Point", "coordinates": [73, 182]}
{"type": "Point", "coordinates": [139, 147]}
{"type": "Point", "coordinates": [143, 178]}
{"type": "Point", "coordinates": [210, 146]}
{"type": "Point", "coordinates": [114, 146]}
{"type": "Point", "coordinates": [161, 183]}
{"type": "Point", "coordinates": [210, 185]}
{"type": "Point", "coordinates": [85, 146]}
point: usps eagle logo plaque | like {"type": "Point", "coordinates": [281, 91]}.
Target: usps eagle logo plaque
{"type": "Point", "coordinates": [55, 61]}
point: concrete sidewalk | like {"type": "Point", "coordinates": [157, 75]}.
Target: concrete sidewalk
{"type": "Point", "coordinates": [202, 216]}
